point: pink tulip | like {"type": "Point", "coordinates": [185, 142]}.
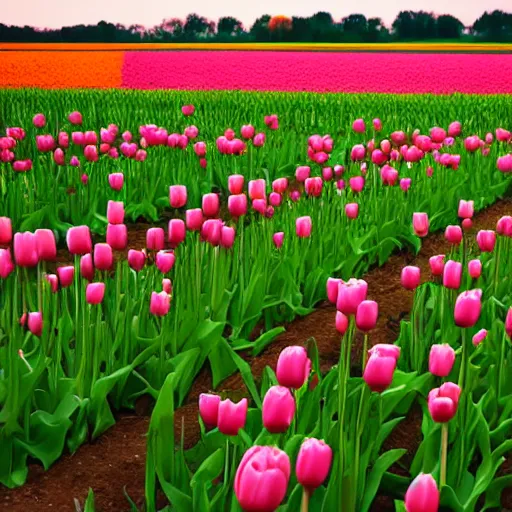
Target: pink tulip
{"type": "Point", "coordinates": [486, 240]}
{"type": "Point", "coordinates": [203, 163]}
{"type": "Point", "coordinates": [356, 183]}
{"type": "Point", "coordinates": [508, 323]}
{"type": "Point", "coordinates": [350, 295]}
{"type": "Point", "coordinates": [504, 163]}
{"type": "Point", "coordinates": [160, 303]}
{"type": "Point", "coordinates": [437, 134]}
{"type": "Point", "coordinates": [452, 274]}
{"type": "Point", "coordinates": [210, 205]}
{"type": "Point", "coordinates": [232, 417]}
{"type": "Point", "coordinates": [257, 189]}
{"type": "Point", "coordinates": [366, 315]}
{"type": "Point", "coordinates": [155, 239]}
{"type": "Point", "coordinates": [358, 126]}
{"type": "Point", "coordinates": [275, 199]}
{"type": "Point", "coordinates": [235, 184]}
{"type": "Point", "coordinates": [116, 180]}
{"type": "Point", "coordinates": [237, 205]}
{"type": "Point", "coordinates": [5, 231]}
{"type": "Point", "coordinates": [39, 121]}
{"type": "Point", "coordinates": [22, 165]}
{"type": "Point", "coordinates": [188, 110]}
{"type": "Point", "coordinates": [113, 153]}
{"type": "Point", "coordinates": [167, 286]}
{"type": "Point", "coordinates": [358, 153]}
{"type": "Point", "coordinates": [278, 239]}
{"type": "Point", "coordinates": [453, 235]}
{"type": "Point", "coordinates": [294, 195]}
{"type": "Point", "coordinates": [35, 323]}
{"type": "Point", "coordinates": [398, 138]}
{"type": "Point", "coordinates": [278, 409]}
{"type": "Point", "coordinates": [455, 129]}
{"type": "Point", "coordinates": [422, 495]}
{"type": "Point", "coordinates": [6, 264]}
{"type": "Point", "coordinates": [75, 118]}
{"type": "Point", "coordinates": [379, 371]}
{"type": "Point", "coordinates": [405, 184]}
{"type": "Point", "coordinates": [247, 131]}
{"type": "Point", "coordinates": [352, 210]}
{"type": "Point", "coordinates": [313, 186]}
{"type": "Point", "coordinates": [280, 185]}
{"type": "Point", "coordinates": [503, 135]}
{"type": "Point", "coordinates": [191, 132]}
{"type": "Point", "coordinates": [332, 287]}
{"type": "Point", "coordinates": [472, 143]}
{"type": "Point", "coordinates": [437, 265]}
{"type": "Point", "coordinates": [53, 281]}
{"type": "Point", "coordinates": [94, 293]}
{"type": "Point", "coordinates": [115, 212]}
{"type": "Point", "coordinates": [272, 122]}
{"type": "Point", "coordinates": [443, 402]}
{"type": "Point", "coordinates": [468, 307]}
{"type": "Point", "coordinates": [341, 322]}
{"type": "Point", "coordinates": [106, 136]}
{"type": "Point", "coordinates": [385, 350]}
{"type": "Point", "coordinates": [377, 125]}
{"type": "Point", "coordinates": [86, 267]}
{"type": "Point", "coordinates": [25, 249]}
{"type": "Point", "coordinates": [91, 153]}
{"type": "Point", "coordinates": [262, 478]}
{"type": "Point", "coordinates": [466, 209]}
{"type": "Point", "coordinates": [194, 219]}
{"type": "Point", "coordinates": [259, 140]}
{"type": "Point", "coordinates": [260, 205]}
{"type": "Point", "coordinates": [165, 261]}
{"type": "Point", "coordinates": [74, 162]}
{"type": "Point", "coordinates": [503, 226]}
{"type": "Point", "coordinates": [303, 227]}
{"type": "Point", "coordinates": [136, 260]}
{"type": "Point", "coordinates": [211, 231]}
{"type": "Point", "coordinates": [410, 277]}
{"type": "Point", "coordinates": [45, 143]}
{"type": "Point", "coordinates": [177, 196]}
{"type": "Point", "coordinates": [475, 268]}
{"type": "Point", "coordinates": [6, 156]}
{"type": "Point", "coordinates": [200, 149]}
{"type": "Point", "coordinates": [117, 236]}
{"type": "Point", "coordinates": [58, 157]}
{"type": "Point", "coordinates": [46, 247]}
{"type": "Point", "coordinates": [209, 409]}
{"type": "Point", "coordinates": [420, 224]}
{"type": "Point", "coordinates": [302, 173]}
{"type": "Point", "coordinates": [313, 463]}
{"type": "Point", "coordinates": [227, 237]}
{"type": "Point", "coordinates": [467, 224]}
{"type": "Point", "coordinates": [479, 337]}
{"type": "Point", "coordinates": [140, 155]}
{"type": "Point", "coordinates": [177, 232]}
{"type": "Point", "coordinates": [441, 360]}
{"type": "Point", "coordinates": [293, 367]}
{"type": "Point", "coordinates": [338, 170]}
{"type": "Point", "coordinates": [103, 257]}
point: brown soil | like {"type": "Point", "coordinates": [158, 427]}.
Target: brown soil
{"type": "Point", "coordinates": [117, 459]}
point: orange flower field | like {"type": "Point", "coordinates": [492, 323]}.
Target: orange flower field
{"type": "Point", "coordinates": [62, 69]}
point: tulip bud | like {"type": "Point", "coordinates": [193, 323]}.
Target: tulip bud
{"type": "Point", "coordinates": [341, 322]}
{"type": "Point", "coordinates": [303, 227]}
{"type": "Point", "coordinates": [452, 274]}
{"type": "Point", "coordinates": [366, 315]}
{"type": "Point", "coordinates": [302, 173]}
{"type": "Point", "coordinates": [231, 416]}
{"type": "Point", "coordinates": [165, 261]}
{"type": "Point", "coordinates": [468, 307]}
{"type": "Point", "coordinates": [262, 478]}
{"type": "Point", "coordinates": [420, 224]}
{"type": "Point", "coordinates": [86, 267]}
{"type": "Point", "coordinates": [94, 293]}
{"type": "Point", "coordinates": [467, 224]}
{"type": "Point", "coordinates": [486, 240]}
{"type": "Point", "coordinates": [46, 247]}
{"type": "Point", "coordinates": [332, 289]}
{"type": "Point", "coordinates": [159, 304]}
{"type": "Point", "coordinates": [313, 463]}
{"type": "Point", "coordinates": [359, 126]}
{"type": "Point", "coordinates": [178, 196]}
{"type": "Point", "coordinates": [294, 195]}
{"type": "Point", "coordinates": [188, 110]}
{"type": "Point", "coordinates": [352, 210]}
{"type": "Point", "coordinates": [475, 269]}
{"type": "Point", "coordinates": [116, 180]}
{"type": "Point", "coordinates": [115, 212]}
{"type": "Point", "coordinates": [209, 409]}
{"type": "Point", "coordinates": [356, 184]}
{"type": "Point", "coordinates": [25, 249]}
{"type": "Point", "coordinates": [194, 219]}
{"type": "Point", "coordinates": [247, 131]}
{"type": "Point", "coordinates": [211, 231]}
{"type": "Point", "coordinates": [257, 189]}
{"type": "Point", "coordinates": [103, 257]}
{"type": "Point", "coordinates": [210, 205]}
{"type": "Point", "coordinates": [155, 239]}
{"type": "Point", "coordinates": [278, 409]}
{"type": "Point", "coordinates": [422, 495]}
{"type": "Point", "coordinates": [66, 275]}
{"type": "Point", "coordinates": [410, 277]}
{"type": "Point", "coordinates": [75, 118]}
{"type": "Point", "coordinates": [280, 185]}
{"type": "Point", "coordinates": [117, 236]}
{"type": "Point", "coordinates": [503, 226]}
{"type": "Point", "coordinates": [35, 323]}
{"type": "Point", "coordinates": [405, 184]}
{"type": "Point", "coordinates": [453, 235]}
{"type": "Point", "coordinates": [39, 120]}
{"type": "Point", "coordinates": [53, 281]}
{"type": "Point", "coordinates": [350, 295]}
{"type": "Point", "coordinates": [293, 367]}
{"type": "Point", "coordinates": [275, 199]}
{"type": "Point", "coordinates": [6, 265]}
{"type": "Point", "coordinates": [508, 323]}
{"type": "Point", "coordinates": [177, 232]}
{"type": "Point", "coordinates": [5, 231]}
{"type": "Point", "coordinates": [379, 371]}
{"type": "Point", "coordinates": [479, 337]}
{"type": "Point", "coordinates": [385, 350]}
{"type": "Point", "coordinates": [466, 209]}
{"type": "Point", "coordinates": [441, 360]}
{"type": "Point", "coordinates": [443, 402]}
{"type": "Point", "coordinates": [136, 260]}
{"type": "Point", "coordinates": [235, 184]}
{"type": "Point", "coordinates": [437, 265]}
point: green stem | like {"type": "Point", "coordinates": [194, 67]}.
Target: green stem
{"type": "Point", "coordinates": [304, 507]}
{"type": "Point", "coordinates": [444, 453]}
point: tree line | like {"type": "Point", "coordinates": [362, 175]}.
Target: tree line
{"type": "Point", "coordinates": [495, 26]}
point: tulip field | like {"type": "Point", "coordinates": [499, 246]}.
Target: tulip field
{"type": "Point", "coordinates": [150, 238]}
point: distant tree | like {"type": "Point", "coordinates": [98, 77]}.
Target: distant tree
{"type": "Point", "coordinates": [170, 28]}
{"type": "Point", "coordinates": [229, 26]}
{"type": "Point", "coordinates": [449, 27]}
{"type": "Point", "coordinates": [323, 27]}
{"type": "Point", "coordinates": [259, 29]}
{"type": "Point", "coordinates": [494, 26]}
{"type": "Point", "coordinates": [355, 27]}
{"type": "Point", "coordinates": [376, 31]}
{"type": "Point", "coordinates": [198, 27]}
{"type": "Point", "coordinates": [414, 25]}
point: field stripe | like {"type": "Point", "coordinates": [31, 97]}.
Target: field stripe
{"type": "Point", "coordinates": [320, 72]}
{"type": "Point", "coordinates": [61, 70]}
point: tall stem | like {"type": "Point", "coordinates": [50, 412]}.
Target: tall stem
{"type": "Point", "coordinates": [304, 507]}
{"type": "Point", "coordinates": [444, 453]}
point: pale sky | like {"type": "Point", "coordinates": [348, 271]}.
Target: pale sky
{"type": "Point", "coordinates": [56, 13]}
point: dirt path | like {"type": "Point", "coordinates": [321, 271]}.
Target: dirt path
{"type": "Point", "coordinates": [117, 459]}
